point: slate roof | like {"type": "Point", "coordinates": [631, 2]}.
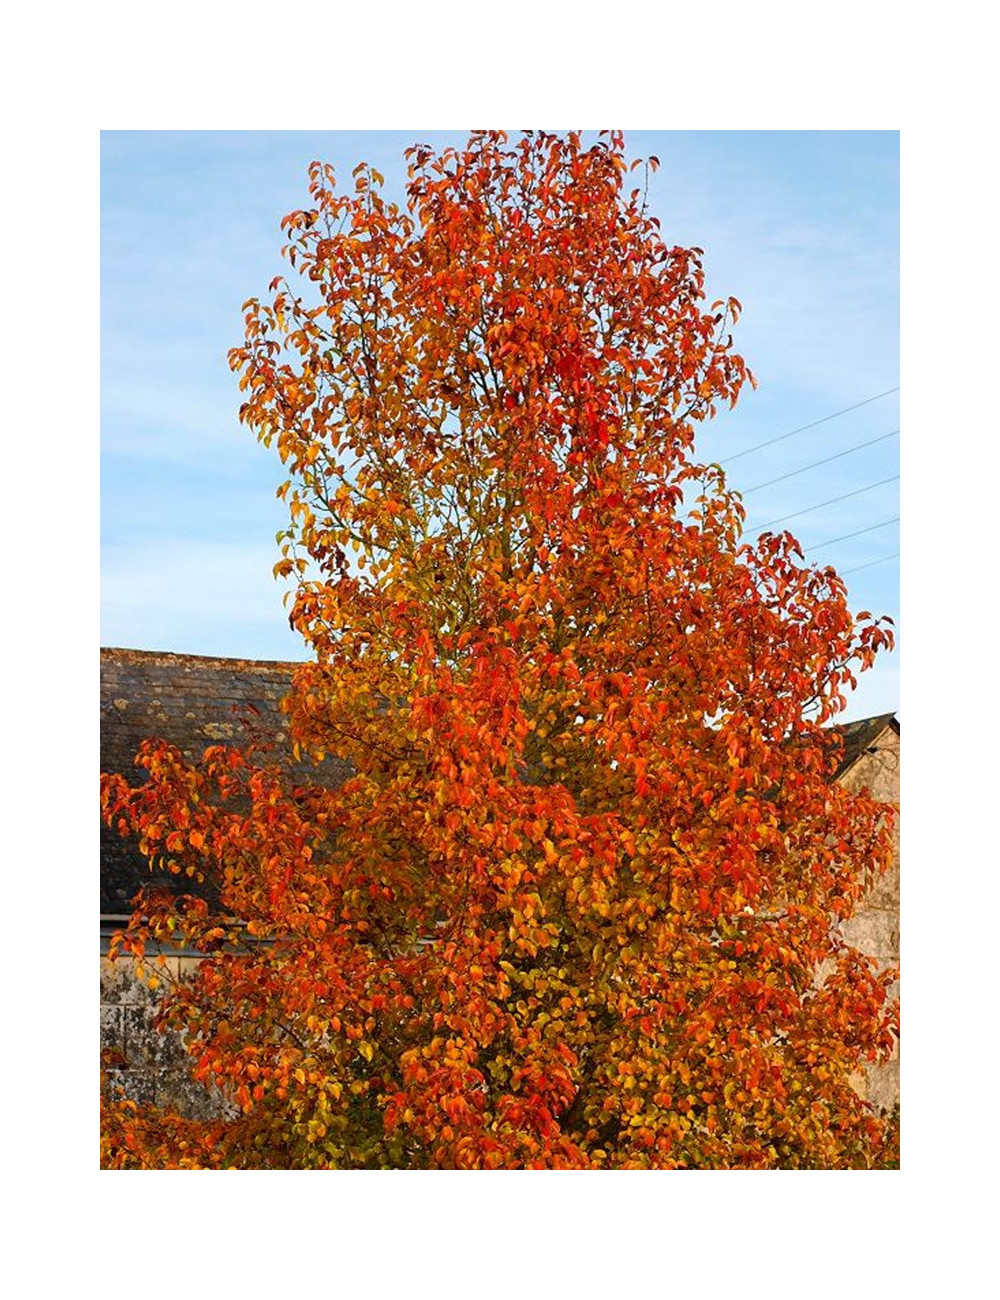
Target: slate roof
{"type": "Point", "coordinates": [859, 736]}
{"type": "Point", "coordinates": [192, 701]}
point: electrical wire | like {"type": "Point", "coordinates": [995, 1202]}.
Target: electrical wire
{"type": "Point", "coordinates": [803, 427]}
{"type": "Point", "coordinates": [820, 504]}
{"type": "Point", "coordinates": [882, 560]}
{"type": "Point", "coordinates": [830, 540]}
{"type": "Point", "coordinates": [816, 463]}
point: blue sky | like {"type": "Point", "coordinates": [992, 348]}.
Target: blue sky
{"type": "Point", "coordinates": [802, 227]}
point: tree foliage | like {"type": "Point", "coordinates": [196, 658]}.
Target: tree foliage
{"type": "Point", "coordinates": [578, 904]}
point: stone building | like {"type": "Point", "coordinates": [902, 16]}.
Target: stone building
{"type": "Point", "coordinates": [194, 701]}
{"type": "Point", "coordinates": [871, 758]}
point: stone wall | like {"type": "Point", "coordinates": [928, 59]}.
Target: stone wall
{"type": "Point", "coordinates": [139, 1063]}
{"type": "Point", "coordinates": [874, 929]}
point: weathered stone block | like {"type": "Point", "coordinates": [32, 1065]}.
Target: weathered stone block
{"type": "Point", "coordinates": [119, 983]}
{"type": "Point", "coordinates": [884, 893]}
{"type": "Point", "coordinates": [882, 1085]}
{"type": "Point", "coordinates": [143, 1044]}
{"type": "Point", "coordinates": [131, 1085]}
{"type": "Point", "coordinates": [875, 933]}
{"type": "Point", "coordinates": [112, 1029]}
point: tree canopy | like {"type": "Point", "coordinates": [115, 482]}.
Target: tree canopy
{"type": "Point", "coordinates": [578, 904]}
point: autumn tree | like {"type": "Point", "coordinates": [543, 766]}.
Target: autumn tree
{"type": "Point", "coordinates": [578, 905]}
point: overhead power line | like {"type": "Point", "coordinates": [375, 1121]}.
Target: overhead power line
{"type": "Point", "coordinates": [884, 559]}
{"type": "Point", "coordinates": [803, 427]}
{"type": "Point", "coordinates": [830, 540]}
{"type": "Point", "coordinates": [820, 504]}
{"type": "Point", "coordinates": [816, 463]}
